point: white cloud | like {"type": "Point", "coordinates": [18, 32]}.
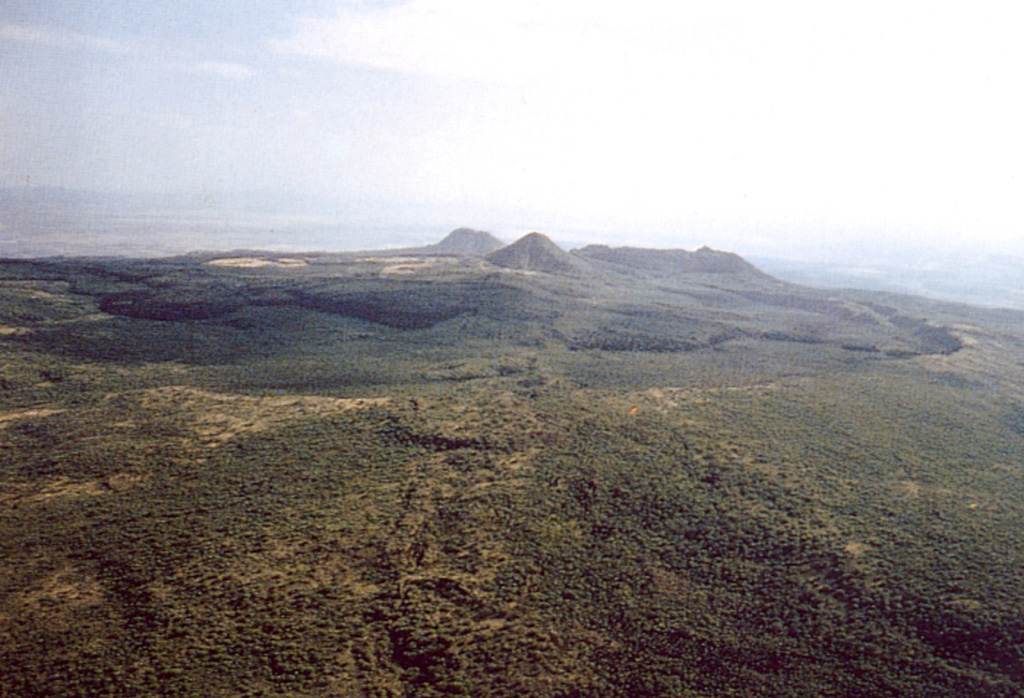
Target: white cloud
{"type": "Point", "coordinates": [726, 57]}
{"type": "Point", "coordinates": [513, 40]}
{"type": "Point", "coordinates": [888, 111]}
{"type": "Point", "coordinates": [66, 39]}
{"type": "Point", "coordinates": [230, 71]}
{"type": "Point", "coordinates": [453, 38]}
{"type": "Point", "coordinates": [60, 38]}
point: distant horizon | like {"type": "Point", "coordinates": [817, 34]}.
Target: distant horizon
{"type": "Point", "coordinates": [107, 226]}
{"type": "Point", "coordinates": [256, 214]}
{"type": "Point", "coordinates": [818, 132]}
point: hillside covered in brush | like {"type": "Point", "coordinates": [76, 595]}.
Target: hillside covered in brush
{"type": "Point", "coordinates": [475, 469]}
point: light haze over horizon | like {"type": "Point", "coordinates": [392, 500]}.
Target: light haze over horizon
{"type": "Point", "coordinates": [747, 126]}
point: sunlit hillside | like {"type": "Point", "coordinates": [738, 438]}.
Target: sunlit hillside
{"type": "Point", "coordinates": [533, 472]}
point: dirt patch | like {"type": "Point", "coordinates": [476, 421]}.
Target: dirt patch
{"type": "Point", "coordinates": [257, 262]}
{"type": "Point", "coordinates": [16, 494]}
{"type": "Point", "coordinates": [856, 549]}
{"type": "Point", "coordinates": [907, 490]}
{"type": "Point", "coordinates": [409, 265]}
{"type": "Point", "coordinates": [216, 418]}
{"type": "Point", "coordinates": [66, 588]}
{"type": "Point", "coordinates": [8, 417]}
{"type": "Point", "coordinates": [64, 487]}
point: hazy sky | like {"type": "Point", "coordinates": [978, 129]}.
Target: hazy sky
{"type": "Point", "coordinates": [765, 120]}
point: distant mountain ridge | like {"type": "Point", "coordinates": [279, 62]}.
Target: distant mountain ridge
{"type": "Point", "coordinates": [670, 262]}
{"type": "Point", "coordinates": [465, 242]}
{"type": "Point", "coordinates": [536, 252]}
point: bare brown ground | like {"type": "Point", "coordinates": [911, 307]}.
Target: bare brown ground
{"type": "Point", "coordinates": [215, 418]}
{"type": "Point", "coordinates": [257, 262]}
{"type": "Point", "coordinates": [194, 420]}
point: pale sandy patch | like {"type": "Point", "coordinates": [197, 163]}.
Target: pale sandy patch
{"type": "Point", "coordinates": [67, 587]}
{"type": "Point", "coordinates": [908, 489]}
{"type": "Point", "coordinates": [64, 487]}
{"type": "Point", "coordinates": [408, 265]}
{"type": "Point", "coordinates": [855, 549]}
{"type": "Point", "coordinates": [215, 418]}
{"type": "Point", "coordinates": [8, 417]}
{"type": "Point", "coordinates": [257, 262]}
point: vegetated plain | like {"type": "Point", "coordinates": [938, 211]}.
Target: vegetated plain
{"type": "Point", "coordinates": [465, 470]}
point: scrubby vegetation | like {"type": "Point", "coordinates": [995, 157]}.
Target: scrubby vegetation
{"type": "Point", "coordinates": [325, 481]}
